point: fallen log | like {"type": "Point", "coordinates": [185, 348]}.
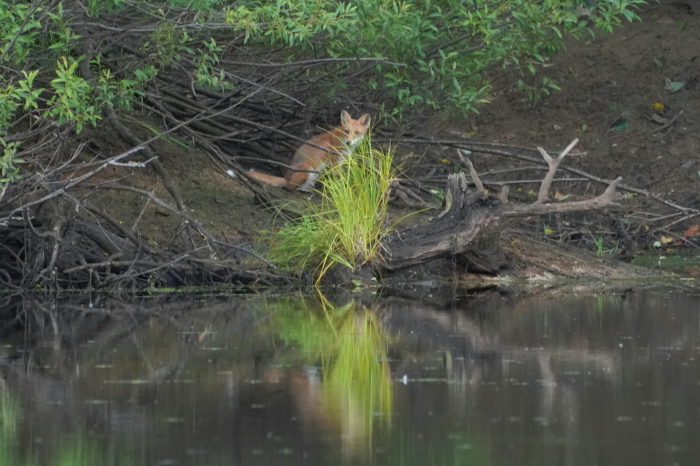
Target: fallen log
{"type": "Point", "coordinates": [474, 217]}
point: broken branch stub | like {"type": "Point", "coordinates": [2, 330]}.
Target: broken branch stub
{"type": "Point", "coordinates": [553, 163]}
{"type": "Point", "coordinates": [472, 172]}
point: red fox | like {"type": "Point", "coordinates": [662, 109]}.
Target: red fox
{"type": "Point", "coordinates": [340, 143]}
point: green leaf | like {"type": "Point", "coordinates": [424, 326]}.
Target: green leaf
{"type": "Point", "coordinates": [673, 86]}
{"type": "Point", "coordinates": [619, 125]}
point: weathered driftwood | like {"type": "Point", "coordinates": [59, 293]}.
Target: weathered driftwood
{"type": "Point", "coordinates": [474, 217]}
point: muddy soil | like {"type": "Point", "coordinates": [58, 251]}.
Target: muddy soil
{"type": "Point", "coordinates": [631, 97]}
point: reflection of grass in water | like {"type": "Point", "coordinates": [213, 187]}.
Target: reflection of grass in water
{"type": "Point", "coordinates": [75, 450]}
{"type": "Point", "coordinates": [358, 381]}
{"type": "Point", "coordinates": [454, 449]}
{"type": "Point", "coordinates": [10, 414]}
{"type": "Point", "coordinates": [79, 452]}
{"type": "Point", "coordinates": [352, 348]}
{"type": "Point", "coordinates": [356, 394]}
{"type": "Point", "coordinates": [9, 417]}
{"type": "Point", "coordinates": [312, 331]}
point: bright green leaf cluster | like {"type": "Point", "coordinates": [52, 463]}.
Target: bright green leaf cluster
{"type": "Point", "coordinates": [34, 35]}
{"type": "Point", "coordinates": [71, 100]}
{"type": "Point", "coordinates": [291, 23]}
{"type": "Point", "coordinates": [9, 171]}
{"type": "Point", "coordinates": [19, 29]}
{"type": "Point", "coordinates": [22, 93]}
{"type": "Point", "coordinates": [444, 53]}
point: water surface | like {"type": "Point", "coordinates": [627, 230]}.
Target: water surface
{"type": "Point", "coordinates": [490, 379]}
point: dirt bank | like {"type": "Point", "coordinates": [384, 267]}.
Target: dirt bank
{"type": "Point", "coordinates": [630, 97]}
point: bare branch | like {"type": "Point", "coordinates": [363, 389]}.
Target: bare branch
{"type": "Point", "coordinates": [520, 153]}
{"type": "Point", "coordinates": [134, 164]}
{"type": "Point", "coordinates": [606, 199]}
{"type": "Point", "coordinates": [76, 181]}
{"type": "Point", "coordinates": [670, 122]}
{"type": "Point", "coordinates": [472, 172]}
{"type": "Point", "coordinates": [553, 166]}
{"type": "Point", "coordinates": [503, 194]}
{"type": "Point", "coordinates": [315, 61]}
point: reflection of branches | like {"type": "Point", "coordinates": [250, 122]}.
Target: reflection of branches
{"type": "Point", "coordinates": [59, 354]}
{"type": "Point", "coordinates": [101, 325]}
{"type": "Point", "coordinates": [471, 338]}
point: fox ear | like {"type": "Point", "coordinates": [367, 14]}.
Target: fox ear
{"type": "Point", "coordinates": [345, 118]}
{"type": "Point", "coordinates": [364, 119]}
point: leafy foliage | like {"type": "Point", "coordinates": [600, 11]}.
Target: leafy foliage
{"type": "Point", "coordinates": [444, 53]}
{"type": "Point", "coordinates": [52, 73]}
{"type": "Point", "coordinates": [71, 100]}
{"type": "Point", "coordinates": [438, 53]}
{"type": "Point", "coordinates": [9, 170]}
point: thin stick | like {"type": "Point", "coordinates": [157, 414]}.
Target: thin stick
{"type": "Point", "coordinates": [667, 125]}
{"type": "Point", "coordinates": [312, 62]}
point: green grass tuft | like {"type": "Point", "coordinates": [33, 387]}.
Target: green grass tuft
{"type": "Point", "coordinates": [347, 225]}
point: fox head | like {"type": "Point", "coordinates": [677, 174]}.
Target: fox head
{"type": "Point", "coordinates": [354, 129]}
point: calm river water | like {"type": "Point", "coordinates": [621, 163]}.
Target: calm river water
{"type": "Point", "coordinates": [489, 379]}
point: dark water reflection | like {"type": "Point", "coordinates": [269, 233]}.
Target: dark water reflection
{"type": "Point", "coordinates": [611, 379]}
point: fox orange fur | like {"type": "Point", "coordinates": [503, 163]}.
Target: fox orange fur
{"type": "Point", "coordinates": [309, 161]}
